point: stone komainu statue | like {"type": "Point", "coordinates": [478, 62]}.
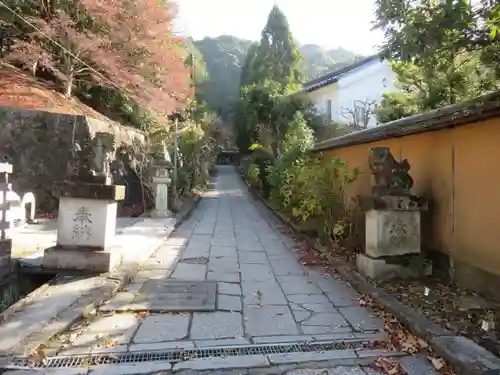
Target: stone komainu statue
{"type": "Point", "coordinates": [392, 177]}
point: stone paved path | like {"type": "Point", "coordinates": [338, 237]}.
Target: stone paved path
{"type": "Point", "coordinates": [264, 295]}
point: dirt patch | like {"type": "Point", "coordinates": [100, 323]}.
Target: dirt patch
{"type": "Point", "coordinates": [461, 311]}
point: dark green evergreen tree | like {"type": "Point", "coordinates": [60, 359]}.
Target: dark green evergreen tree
{"type": "Point", "coordinates": [277, 57]}
{"type": "Point", "coordinates": [247, 74]}
{"type": "Point", "coordinates": [272, 69]}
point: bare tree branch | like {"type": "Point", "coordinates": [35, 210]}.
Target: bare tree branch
{"type": "Point", "coordinates": [359, 115]}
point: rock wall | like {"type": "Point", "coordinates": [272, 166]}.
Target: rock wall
{"type": "Point", "coordinates": [39, 145]}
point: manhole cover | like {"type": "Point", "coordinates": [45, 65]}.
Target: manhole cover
{"type": "Point", "coordinates": [175, 295]}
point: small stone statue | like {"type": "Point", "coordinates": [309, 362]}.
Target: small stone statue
{"type": "Point", "coordinates": [402, 181]}
{"type": "Point", "coordinates": [79, 168]}
{"type": "Point", "coordinates": [391, 177]}
{"type": "Point", "coordinates": [103, 145]}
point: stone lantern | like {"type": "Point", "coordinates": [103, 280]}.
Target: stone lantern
{"type": "Point", "coordinates": [161, 167]}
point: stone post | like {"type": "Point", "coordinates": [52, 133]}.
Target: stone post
{"type": "Point", "coordinates": [86, 223]}
{"type": "Point", "coordinates": [392, 220]}
{"type": "Point", "coordinates": [5, 223]}
{"type": "Point", "coordinates": [161, 167]}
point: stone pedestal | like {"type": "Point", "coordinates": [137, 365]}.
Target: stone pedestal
{"type": "Point", "coordinates": [86, 227]}
{"type": "Point", "coordinates": [382, 270]}
{"type": "Point", "coordinates": [161, 181]}
{"type": "Point", "coordinates": [7, 221]}
{"type": "Point", "coordinates": [85, 223]}
{"type": "Point", "coordinates": [161, 200]}
{"type": "Point", "coordinates": [392, 232]}
{"type": "Point", "coordinates": [5, 258]}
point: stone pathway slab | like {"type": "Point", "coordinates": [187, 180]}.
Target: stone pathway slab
{"type": "Point", "coordinates": [216, 325]}
{"type": "Point", "coordinates": [233, 289]}
{"type": "Point", "coordinates": [269, 320]}
{"type": "Point", "coordinates": [361, 319]}
{"type": "Point", "coordinates": [108, 331]}
{"type": "Point", "coordinates": [251, 257]}
{"type": "Point", "coordinates": [263, 293]}
{"type": "Point", "coordinates": [189, 271]}
{"type": "Point", "coordinates": [228, 303]}
{"type": "Point", "coordinates": [162, 327]}
{"type": "Point", "coordinates": [237, 282]}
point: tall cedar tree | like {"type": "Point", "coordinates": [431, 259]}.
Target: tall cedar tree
{"type": "Point", "coordinates": [277, 57]}
{"type": "Point", "coordinates": [130, 43]}
{"type": "Point", "coordinates": [246, 75]}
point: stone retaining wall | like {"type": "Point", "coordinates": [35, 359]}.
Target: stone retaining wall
{"type": "Point", "coordinates": [39, 145]}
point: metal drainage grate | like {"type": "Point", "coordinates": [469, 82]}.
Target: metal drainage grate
{"type": "Point", "coordinates": [180, 355]}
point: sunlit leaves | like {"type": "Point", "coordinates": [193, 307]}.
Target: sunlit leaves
{"type": "Point", "coordinates": [126, 45]}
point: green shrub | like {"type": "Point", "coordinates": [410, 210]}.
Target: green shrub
{"type": "Point", "coordinates": [253, 176]}
{"type": "Point", "coordinates": [314, 189]}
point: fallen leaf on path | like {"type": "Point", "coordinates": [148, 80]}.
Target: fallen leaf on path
{"type": "Point", "coordinates": [438, 363]}
{"type": "Point", "coordinates": [142, 314]}
{"type": "Point", "coordinates": [37, 356]}
{"type": "Point", "coordinates": [85, 362]}
{"type": "Point", "coordinates": [109, 343]}
{"type": "Point", "coordinates": [388, 366]}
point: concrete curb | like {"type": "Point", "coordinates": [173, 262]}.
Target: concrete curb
{"type": "Point", "coordinates": [106, 287]}
{"type": "Point", "coordinates": [465, 355]}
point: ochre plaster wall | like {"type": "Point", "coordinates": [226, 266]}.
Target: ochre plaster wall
{"type": "Point", "coordinates": [457, 169]}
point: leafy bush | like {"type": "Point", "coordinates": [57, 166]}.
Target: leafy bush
{"type": "Point", "coordinates": [245, 163]}
{"type": "Point", "coordinates": [253, 176]}
{"type": "Point", "coordinates": [263, 158]}
{"type": "Point", "coordinates": [299, 139]}
{"type": "Point", "coordinates": [314, 189]}
{"type": "Point", "coordinates": [299, 135]}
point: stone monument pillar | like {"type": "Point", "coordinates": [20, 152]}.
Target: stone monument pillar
{"type": "Point", "coordinates": [392, 219]}
{"type": "Point", "coordinates": [6, 223]}
{"type": "Point", "coordinates": [161, 167]}
{"type": "Point", "coordinates": [86, 223]}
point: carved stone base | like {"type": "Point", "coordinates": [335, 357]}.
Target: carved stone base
{"type": "Point", "coordinates": [88, 224]}
{"type": "Point", "coordinates": [380, 270]}
{"type": "Point", "coordinates": [5, 258]}
{"type": "Point", "coordinates": [76, 260]}
{"type": "Point", "coordinates": [158, 214]}
{"type": "Point", "coordinates": [391, 233]}
{"type": "Point", "coordinates": [161, 201]}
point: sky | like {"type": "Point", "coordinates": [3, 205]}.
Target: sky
{"type": "Point", "coordinates": [330, 24]}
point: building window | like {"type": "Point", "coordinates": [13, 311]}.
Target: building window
{"type": "Point", "coordinates": [329, 111]}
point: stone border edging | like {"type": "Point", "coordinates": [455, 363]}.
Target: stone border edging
{"type": "Point", "coordinates": [12, 309]}
{"type": "Point", "coordinates": [86, 304]}
{"type": "Point", "coordinates": [183, 215]}
{"type": "Point", "coordinates": [464, 354]}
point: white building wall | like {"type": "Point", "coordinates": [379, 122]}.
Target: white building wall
{"type": "Point", "coordinates": [322, 96]}
{"type": "Point", "coordinates": [368, 82]}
